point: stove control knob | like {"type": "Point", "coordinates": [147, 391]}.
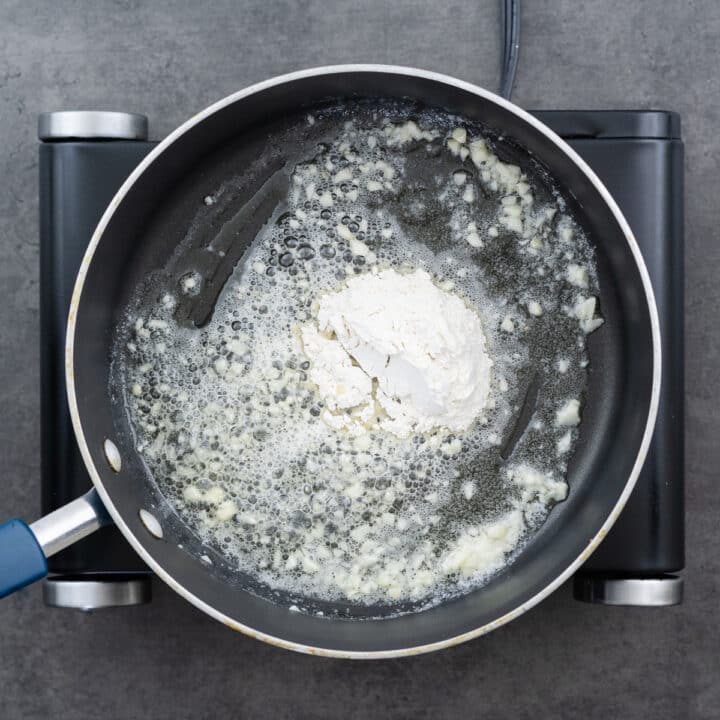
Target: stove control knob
{"type": "Point", "coordinates": [91, 125]}
{"type": "Point", "coordinates": [658, 591]}
{"type": "Point", "coordinates": [96, 592]}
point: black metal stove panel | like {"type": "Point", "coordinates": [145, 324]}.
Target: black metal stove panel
{"type": "Point", "coordinates": [77, 182]}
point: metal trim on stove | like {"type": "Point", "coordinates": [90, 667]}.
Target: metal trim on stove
{"type": "Point", "coordinates": [91, 125]}
{"type": "Point", "coordinates": [86, 594]}
{"type": "Point", "coordinates": [629, 591]}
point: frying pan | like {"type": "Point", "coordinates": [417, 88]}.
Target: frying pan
{"type": "Point", "coordinates": [136, 236]}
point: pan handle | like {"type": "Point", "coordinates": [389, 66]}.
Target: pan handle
{"type": "Point", "coordinates": [24, 549]}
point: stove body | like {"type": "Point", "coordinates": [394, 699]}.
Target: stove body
{"type": "Point", "coordinates": [84, 158]}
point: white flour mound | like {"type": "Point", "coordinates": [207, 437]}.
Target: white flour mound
{"type": "Point", "coordinates": [423, 347]}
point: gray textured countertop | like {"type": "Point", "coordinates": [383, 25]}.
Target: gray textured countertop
{"type": "Point", "coordinates": [169, 59]}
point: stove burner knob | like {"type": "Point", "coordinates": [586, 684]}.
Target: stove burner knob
{"type": "Point", "coordinates": [91, 125]}
{"type": "Point", "coordinates": [96, 592]}
{"type": "Point", "coordinates": [658, 591]}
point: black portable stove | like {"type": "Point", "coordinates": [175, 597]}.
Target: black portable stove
{"type": "Point", "coordinates": [84, 158]}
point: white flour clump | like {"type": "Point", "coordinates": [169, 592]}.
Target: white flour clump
{"type": "Point", "coordinates": [423, 346]}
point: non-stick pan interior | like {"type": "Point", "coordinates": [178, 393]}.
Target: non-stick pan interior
{"type": "Point", "coordinates": [155, 214]}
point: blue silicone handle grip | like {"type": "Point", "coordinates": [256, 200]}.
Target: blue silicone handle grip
{"type": "Point", "coordinates": [22, 560]}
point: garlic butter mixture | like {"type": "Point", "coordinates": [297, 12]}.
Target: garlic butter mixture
{"type": "Point", "coordinates": [339, 429]}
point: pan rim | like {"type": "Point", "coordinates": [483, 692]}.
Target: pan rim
{"type": "Point", "coordinates": [407, 72]}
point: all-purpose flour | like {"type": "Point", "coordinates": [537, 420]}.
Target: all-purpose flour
{"type": "Point", "coordinates": [423, 346]}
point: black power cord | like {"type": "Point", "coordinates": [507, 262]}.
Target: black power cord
{"type": "Point", "coordinates": [510, 20]}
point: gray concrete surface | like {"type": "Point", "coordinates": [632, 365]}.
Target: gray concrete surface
{"type": "Point", "coordinates": [168, 59]}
